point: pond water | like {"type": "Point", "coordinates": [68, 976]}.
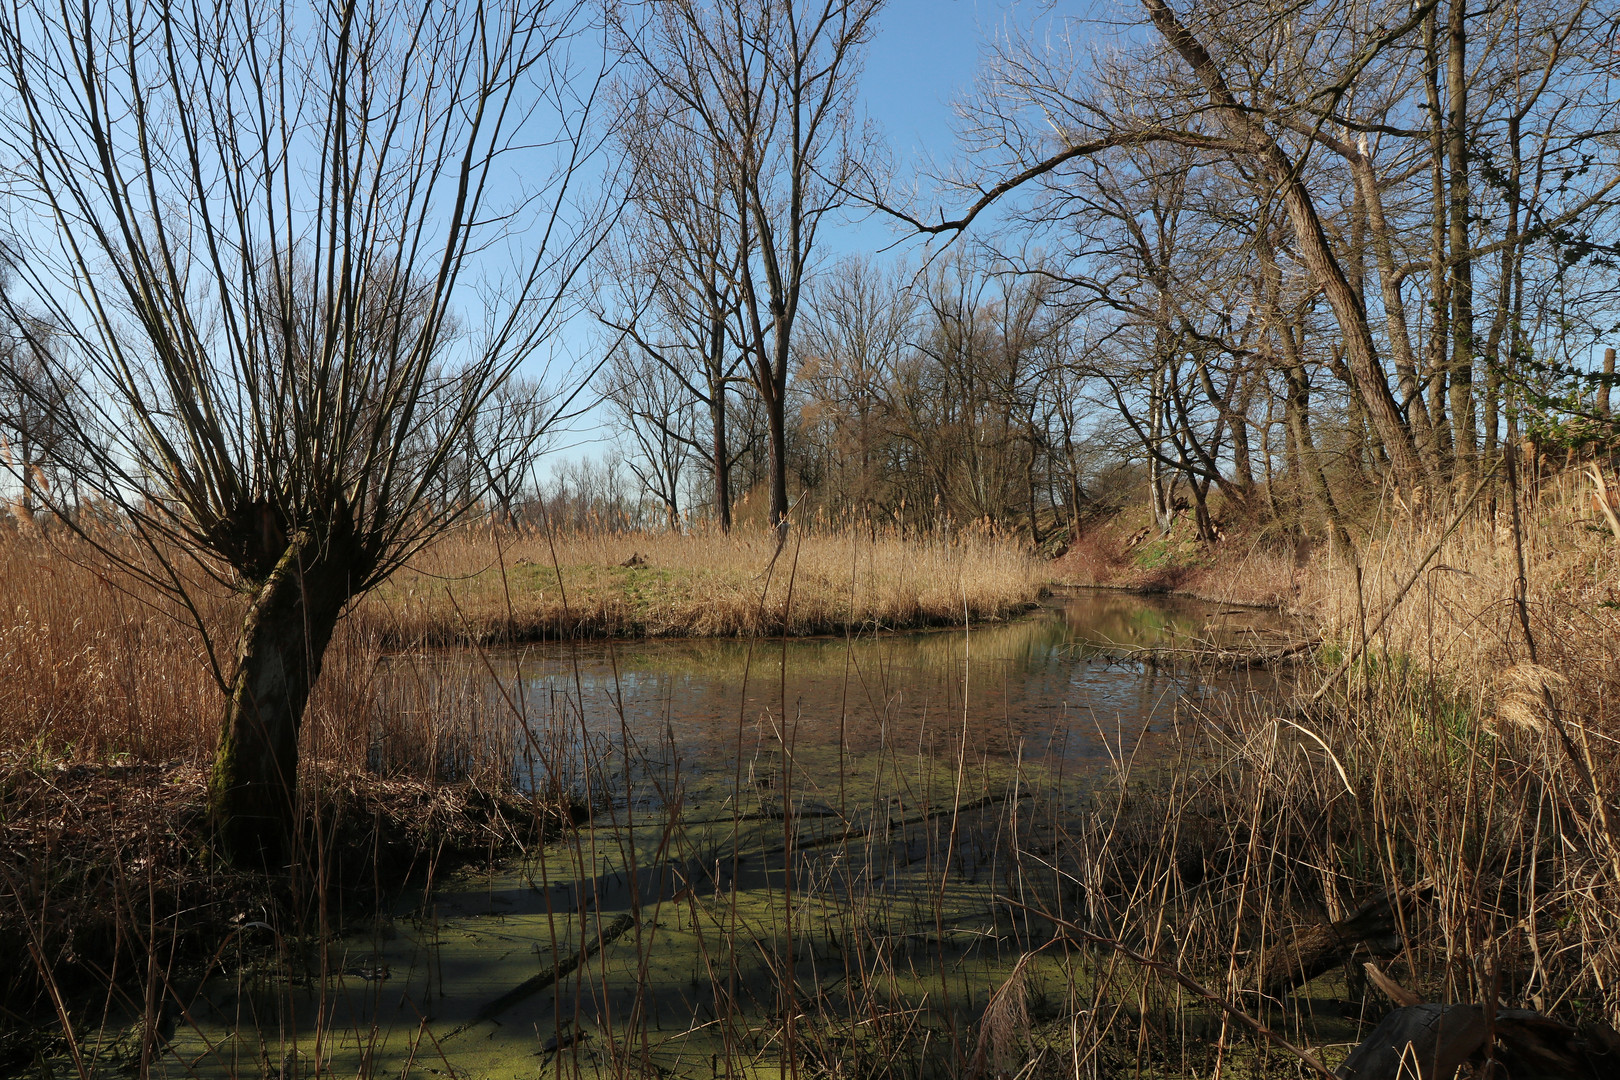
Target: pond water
{"type": "Point", "coordinates": [1071, 686]}
{"type": "Point", "coordinates": [817, 845]}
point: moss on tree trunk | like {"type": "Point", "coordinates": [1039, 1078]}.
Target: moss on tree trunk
{"type": "Point", "coordinates": [253, 784]}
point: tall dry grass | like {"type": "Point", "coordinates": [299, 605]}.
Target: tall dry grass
{"type": "Point", "coordinates": [1451, 754]}
{"type": "Point", "coordinates": [1469, 739]}
{"type": "Point", "coordinates": [1433, 767]}
{"type": "Point", "coordinates": [1459, 619]}
{"type": "Point", "coordinates": [482, 585]}
{"type": "Point", "coordinates": [92, 664]}
{"type": "Point", "coordinates": [96, 668]}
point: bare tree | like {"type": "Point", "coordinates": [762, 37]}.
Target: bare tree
{"type": "Point", "coordinates": [249, 227]}
{"type": "Point", "coordinates": [511, 433]}
{"type": "Point", "coordinates": [1387, 152]}
{"type": "Point", "coordinates": [674, 271]}
{"type": "Point", "coordinates": [767, 86]}
{"type": "Point", "coordinates": [652, 404]}
{"type": "Point", "coordinates": [860, 324]}
{"type": "Point", "coordinates": [37, 402]}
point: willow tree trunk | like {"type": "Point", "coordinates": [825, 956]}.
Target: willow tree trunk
{"type": "Point", "coordinates": [253, 785]}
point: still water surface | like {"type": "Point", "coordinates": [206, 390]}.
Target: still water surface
{"type": "Point", "coordinates": [1069, 685]}
{"type": "Point", "coordinates": [800, 828]}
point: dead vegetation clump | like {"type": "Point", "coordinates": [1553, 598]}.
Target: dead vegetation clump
{"type": "Point", "coordinates": [108, 890]}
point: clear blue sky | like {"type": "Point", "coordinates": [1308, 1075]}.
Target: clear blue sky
{"type": "Point", "coordinates": [925, 53]}
{"type": "Point", "coordinates": [924, 57]}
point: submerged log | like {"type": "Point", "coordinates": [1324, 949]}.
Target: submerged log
{"type": "Point", "coordinates": [1430, 1042]}
{"type": "Point", "coordinates": [1307, 953]}
{"type": "Point", "coordinates": [1420, 1042]}
{"type": "Point", "coordinates": [533, 985]}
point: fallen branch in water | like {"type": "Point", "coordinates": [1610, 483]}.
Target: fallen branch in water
{"type": "Point", "coordinates": [1203, 651]}
{"type": "Point", "coordinates": [1186, 981]}
{"type": "Point", "coordinates": [532, 986]}
{"type": "Point", "coordinates": [857, 833]}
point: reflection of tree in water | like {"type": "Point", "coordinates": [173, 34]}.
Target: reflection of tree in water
{"type": "Point", "coordinates": [1117, 621]}
{"type": "Point", "coordinates": [1043, 687]}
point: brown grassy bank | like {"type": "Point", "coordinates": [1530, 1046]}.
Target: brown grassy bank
{"type": "Point", "coordinates": [1454, 742]}
{"type": "Point", "coordinates": [478, 585]}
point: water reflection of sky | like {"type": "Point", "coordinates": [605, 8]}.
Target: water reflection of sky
{"type": "Point", "coordinates": [1050, 688]}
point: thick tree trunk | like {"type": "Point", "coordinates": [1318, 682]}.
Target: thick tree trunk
{"type": "Point", "coordinates": [1242, 458]}
{"type": "Point", "coordinates": [1161, 488]}
{"type": "Point", "coordinates": [1204, 524]}
{"type": "Point", "coordinates": [721, 447]}
{"type": "Point", "coordinates": [252, 786]}
{"type": "Point", "coordinates": [1034, 509]}
{"type": "Point", "coordinates": [1400, 337]}
{"type": "Point", "coordinates": [777, 423]}
{"type": "Point", "coordinates": [1233, 406]}
{"type": "Point", "coordinates": [1297, 412]}
{"type": "Point", "coordinates": [722, 463]}
{"type": "Point", "coordinates": [1436, 372]}
{"type": "Point", "coordinates": [1504, 303]}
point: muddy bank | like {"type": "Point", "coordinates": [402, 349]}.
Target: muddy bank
{"type": "Point", "coordinates": [1244, 568]}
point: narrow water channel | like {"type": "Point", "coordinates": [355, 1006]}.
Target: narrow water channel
{"type": "Point", "coordinates": [802, 851]}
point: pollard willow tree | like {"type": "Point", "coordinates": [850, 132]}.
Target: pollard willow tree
{"type": "Point", "coordinates": [272, 245]}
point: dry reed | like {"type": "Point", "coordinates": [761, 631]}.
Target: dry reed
{"type": "Point", "coordinates": [1460, 621]}
{"type": "Point", "coordinates": [481, 585]}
